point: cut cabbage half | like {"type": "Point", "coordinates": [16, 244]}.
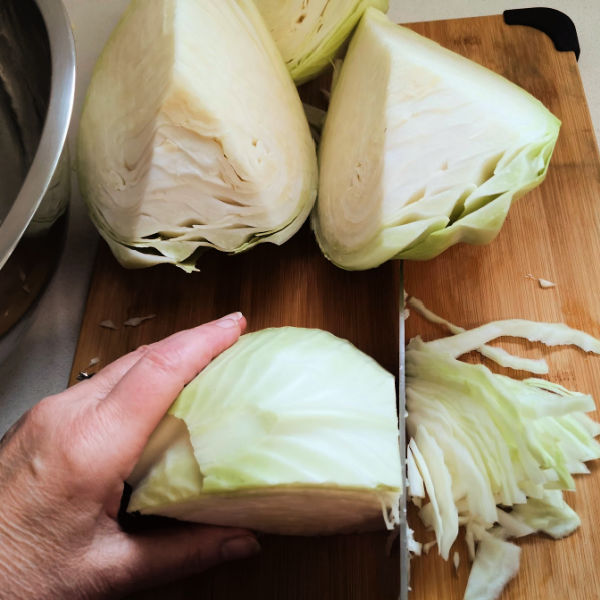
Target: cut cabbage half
{"type": "Point", "coordinates": [290, 431]}
{"type": "Point", "coordinates": [421, 149]}
{"type": "Point", "coordinates": [310, 32]}
{"type": "Point", "coordinates": [193, 135]}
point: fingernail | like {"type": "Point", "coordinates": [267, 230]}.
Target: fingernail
{"type": "Point", "coordinates": [229, 321]}
{"type": "Point", "coordinates": [241, 547]}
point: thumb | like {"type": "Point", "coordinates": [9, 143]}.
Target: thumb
{"type": "Point", "coordinates": [150, 558]}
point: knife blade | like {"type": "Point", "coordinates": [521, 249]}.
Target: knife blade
{"type": "Point", "coordinates": [403, 534]}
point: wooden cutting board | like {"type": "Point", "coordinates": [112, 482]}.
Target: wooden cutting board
{"type": "Point", "coordinates": [552, 233]}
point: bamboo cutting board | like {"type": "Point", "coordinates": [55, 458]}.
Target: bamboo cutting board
{"type": "Point", "coordinates": [552, 233]}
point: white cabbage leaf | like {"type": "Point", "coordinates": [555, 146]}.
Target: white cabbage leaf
{"type": "Point", "coordinates": [289, 431]}
{"type": "Point", "coordinates": [549, 514]}
{"type": "Point", "coordinates": [421, 149]}
{"type": "Point", "coordinates": [193, 135]}
{"type": "Point", "coordinates": [498, 355]}
{"type": "Point", "coordinates": [309, 33]}
{"type": "Point", "coordinates": [551, 334]}
{"type": "Point", "coordinates": [496, 563]}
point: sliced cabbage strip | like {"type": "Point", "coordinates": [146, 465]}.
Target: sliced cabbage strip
{"type": "Point", "coordinates": [498, 355]}
{"type": "Point", "coordinates": [551, 334]}
{"type": "Point", "coordinates": [496, 563]}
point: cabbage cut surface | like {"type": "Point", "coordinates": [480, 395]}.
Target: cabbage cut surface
{"type": "Point", "coordinates": [310, 32]}
{"type": "Point", "coordinates": [193, 135]}
{"type": "Point", "coordinates": [421, 149]}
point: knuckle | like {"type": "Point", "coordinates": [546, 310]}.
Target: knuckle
{"type": "Point", "coordinates": [195, 560]}
{"type": "Point", "coordinates": [140, 351]}
{"type": "Point", "coordinates": [39, 418]}
{"type": "Point", "coordinates": [163, 360]}
{"type": "Point", "coordinates": [197, 557]}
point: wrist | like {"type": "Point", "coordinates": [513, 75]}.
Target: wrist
{"type": "Point", "coordinates": [20, 572]}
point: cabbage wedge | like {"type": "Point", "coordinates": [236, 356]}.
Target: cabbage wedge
{"type": "Point", "coordinates": [290, 431]}
{"type": "Point", "coordinates": [310, 33]}
{"type": "Point", "coordinates": [193, 135]}
{"type": "Point", "coordinates": [421, 149]}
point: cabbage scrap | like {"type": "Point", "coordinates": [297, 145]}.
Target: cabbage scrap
{"type": "Point", "coordinates": [193, 135]}
{"type": "Point", "coordinates": [421, 149]}
{"type": "Point", "coordinates": [496, 563]}
{"type": "Point", "coordinates": [290, 431]}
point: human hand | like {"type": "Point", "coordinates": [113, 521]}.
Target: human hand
{"type": "Point", "coordinates": [62, 468]}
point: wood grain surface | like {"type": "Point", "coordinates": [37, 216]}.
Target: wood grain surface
{"type": "Point", "coordinates": [553, 233]}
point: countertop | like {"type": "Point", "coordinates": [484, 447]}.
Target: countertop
{"type": "Point", "coordinates": [41, 364]}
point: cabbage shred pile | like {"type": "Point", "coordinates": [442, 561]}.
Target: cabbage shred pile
{"type": "Point", "coordinates": [493, 453]}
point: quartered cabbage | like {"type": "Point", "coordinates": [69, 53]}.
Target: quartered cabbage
{"type": "Point", "coordinates": [491, 452]}
{"type": "Point", "coordinates": [193, 135]}
{"type": "Point", "coordinates": [310, 32]}
{"type": "Point", "coordinates": [421, 149]}
{"type": "Point", "coordinates": [290, 431]}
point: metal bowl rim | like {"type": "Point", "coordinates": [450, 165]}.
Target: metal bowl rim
{"type": "Point", "coordinates": [54, 133]}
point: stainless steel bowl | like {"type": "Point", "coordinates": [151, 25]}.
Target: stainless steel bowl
{"type": "Point", "coordinates": [37, 83]}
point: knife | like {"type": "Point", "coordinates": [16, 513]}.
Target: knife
{"type": "Point", "coordinates": [403, 535]}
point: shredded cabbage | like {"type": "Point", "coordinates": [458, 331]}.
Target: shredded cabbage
{"type": "Point", "coordinates": [416, 487]}
{"type": "Point", "coordinates": [440, 514]}
{"type": "Point", "coordinates": [551, 334]}
{"type": "Point", "coordinates": [498, 355]}
{"type": "Point", "coordinates": [496, 563]}
{"type": "Point", "coordinates": [493, 443]}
